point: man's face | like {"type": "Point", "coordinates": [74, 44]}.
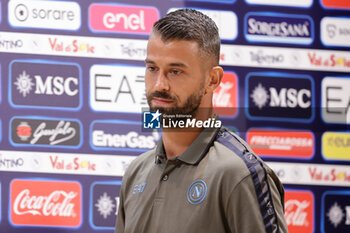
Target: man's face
{"type": "Point", "coordinates": [175, 76]}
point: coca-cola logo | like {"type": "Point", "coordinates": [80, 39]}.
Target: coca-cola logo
{"type": "Point", "coordinates": [59, 204]}
{"type": "Point", "coordinates": [225, 96]}
{"type": "Point", "coordinates": [299, 211]}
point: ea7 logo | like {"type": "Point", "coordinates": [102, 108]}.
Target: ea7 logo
{"type": "Point", "coordinates": [279, 96]}
{"type": "Point", "coordinates": [117, 88]}
{"type": "Point", "coordinates": [45, 85]}
{"type": "Point", "coordinates": [336, 100]}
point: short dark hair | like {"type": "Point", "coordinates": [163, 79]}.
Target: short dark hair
{"type": "Point", "coordinates": [192, 25]}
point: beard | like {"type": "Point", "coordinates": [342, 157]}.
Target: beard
{"type": "Point", "coordinates": [189, 108]}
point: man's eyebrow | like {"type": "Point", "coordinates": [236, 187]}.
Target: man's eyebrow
{"type": "Point", "coordinates": [178, 64]}
{"type": "Point", "coordinates": [149, 61]}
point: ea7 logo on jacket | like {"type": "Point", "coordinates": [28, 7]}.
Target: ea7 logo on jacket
{"type": "Point", "coordinates": [279, 96]}
{"type": "Point", "coordinates": [45, 85]}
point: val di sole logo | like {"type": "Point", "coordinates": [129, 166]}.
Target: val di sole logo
{"type": "Point", "coordinates": [104, 203]}
{"type": "Point", "coordinates": [197, 192]}
{"type": "Point", "coordinates": [46, 132]}
{"type": "Point", "coordinates": [335, 212]}
{"type": "Point", "coordinates": [279, 96]}
{"type": "Point", "coordinates": [45, 85]}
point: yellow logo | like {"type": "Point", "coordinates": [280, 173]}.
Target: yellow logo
{"type": "Point", "coordinates": [336, 145]}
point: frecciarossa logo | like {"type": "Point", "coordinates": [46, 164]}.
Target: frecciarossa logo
{"type": "Point", "coordinates": [121, 135]}
{"type": "Point", "coordinates": [58, 204]}
{"type": "Point", "coordinates": [279, 28]}
{"type": "Point", "coordinates": [45, 84]}
{"type": "Point", "coordinates": [279, 96]}
{"type": "Point", "coordinates": [122, 18]}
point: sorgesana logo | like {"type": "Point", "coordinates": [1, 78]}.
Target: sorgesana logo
{"type": "Point", "coordinates": [122, 18]}
{"type": "Point", "coordinates": [279, 96]}
{"type": "Point", "coordinates": [121, 135]}
{"type": "Point", "coordinates": [43, 84]}
{"type": "Point", "coordinates": [47, 132]}
{"type": "Point", "coordinates": [104, 203]}
{"type": "Point", "coordinates": [278, 28]}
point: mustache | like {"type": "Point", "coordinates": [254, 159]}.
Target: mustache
{"type": "Point", "coordinates": [163, 95]}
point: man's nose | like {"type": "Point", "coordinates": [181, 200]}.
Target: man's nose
{"type": "Point", "coordinates": [162, 82]}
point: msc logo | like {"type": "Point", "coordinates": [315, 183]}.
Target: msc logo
{"type": "Point", "coordinates": [122, 18]}
{"type": "Point", "coordinates": [45, 85]}
{"type": "Point", "coordinates": [62, 15]}
{"type": "Point", "coordinates": [335, 215]}
{"type": "Point", "coordinates": [197, 192]}
{"type": "Point", "coordinates": [104, 204]}
{"type": "Point", "coordinates": [121, 135]}
{"type": "Point", "coordinates": [151, 120]}
{"type": "Point", "coordinates": [117, 88]}
{"type": "Point", "coordinates": [336, 145]}
{"type": "Point", "coordinates": [279, 96]}
{"type": "Point", "coordinates": [336, 100]}
{"type": "Point", "coordinates": [279, 28]}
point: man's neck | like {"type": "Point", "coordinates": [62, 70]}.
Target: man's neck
{"type": "Point", "coordinates": [176, 141]}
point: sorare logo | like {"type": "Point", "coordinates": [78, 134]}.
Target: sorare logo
{"type": "Point", "coordinates": [104, 203]}
{"type": "Point", "coordinates": [59, 204]}
{"type": "Point", "coordinates": [121, 135]}
{"type": "Point", "coordinates": [45, 132]}
{"type": "Point", "coordinates": [282, 143]}
{"type": "Point", "coordinates": [122, 18]}
{"type": "Point", "coordinates": [279, 28]}
{"type": "Point", "coordinates": [335, 215]}
{"type": "Point", "coordinates": [300, 211]}
{"type": "Point", "coordinates": [43, 84]}
{"type": "Point", "coordinates": [279, 96]}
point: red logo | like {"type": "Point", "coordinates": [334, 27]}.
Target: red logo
{"type": "Point", "coordinates": [45, 203]}
{"type": "Point", "coordinates": [340, 4]}
{"type": "Point", "coordinates": [281, 143]}
{"type": "Point", "coordinates": [299, 211]}
{"type": "Point", "coordinates": [122, 18]}
{"type": "Point", "coordinates": [332, 60]}
{"type": "Point", "coordinates": [74, 46]}
{"type": "Point", "coordinates": [24, 131]}
{"type": "Point", "coordinates": [72, 164]}
{"type": "Point", "coordinates": [225, 96]}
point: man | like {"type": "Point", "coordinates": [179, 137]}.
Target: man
{"type": "Point", "coordinates": [199, 180]}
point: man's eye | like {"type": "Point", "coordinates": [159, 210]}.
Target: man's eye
{"type": "Point", "coordinates": [175, 72]}
{"type": "Point", "coordinates": [151, 68]}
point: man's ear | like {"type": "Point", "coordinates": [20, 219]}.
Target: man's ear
{"type": "Point", "coordinates": [215, 76]}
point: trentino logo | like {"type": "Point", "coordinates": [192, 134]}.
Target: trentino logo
{"type": "Point", "coordinates": [104, 203]}
{"type": "Point", "coordinates": [44, 84]}
{"type": "Point", "coordinates": [121, 135]}
{"type": "Point", "coordinates": [278, 28]}
{"type": "Point", "coordinates": [279, 96]}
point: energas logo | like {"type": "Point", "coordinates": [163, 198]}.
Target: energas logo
{"type": "Point", "coordinates": [47, 132]}
{"type": "Point", "coordinates": [122, 18]}
{"type": "Point", "coordinates": [279, 28]}
{"type": "Point", "coordinates": [42, 84]}
{"type": "Point", "coordinates": [61, 15]}
{"type": "Point", "coordinates": [121, 135]}
{"type": "Point", "coordinates": [59, 204]}
{"type": "Point", "coordinates": [279, 96]}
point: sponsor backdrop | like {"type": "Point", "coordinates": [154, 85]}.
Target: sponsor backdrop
{"type": "Point", "coordinates": [72, 90]}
